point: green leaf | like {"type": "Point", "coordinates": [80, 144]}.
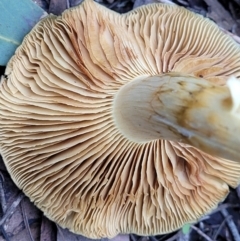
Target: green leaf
{"type": "Point", "coordinates": [186, 228]}
{"type": "Point", "coordinates": [17, 18]}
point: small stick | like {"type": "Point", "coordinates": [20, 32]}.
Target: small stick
{"type": "Point", "coordinates": [67, 4]}
{"type": "Point", "coordinates": [202, 233]}
{"type": "Point", "coordinates": [4, 234]}
{"type": "Point", "coordinates": [26, 221]}
{"type": "Point", "coordinates": [152, 238]}
{"type": "Point", "coordinates": [2, 195]}
{"type": "Point", "coordinates": [167, 1]}
{"type": "Point", "coordinates": [231, 225]}
{"type": "Point", "coordinates": [224, 206]}
{"type": "Point", "coordinates": [220, 228]}
{"type": "Point", "coordinates": [235, 37]}
{"type": "Point", "coordinates": [132, 237]}
{"type": "Point", "coordinates": [10, 210]}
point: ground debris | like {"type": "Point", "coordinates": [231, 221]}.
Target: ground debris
{"type": "Point", "coordinates": [220, 15]}
{"type": "Point", "coordinates": [16, 208]}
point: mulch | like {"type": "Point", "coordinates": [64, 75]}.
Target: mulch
{"type": "Point", "coordinates": [20, 220]}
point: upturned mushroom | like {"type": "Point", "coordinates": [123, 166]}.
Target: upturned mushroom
{"type": "Point", "coordinates": [123, 123]}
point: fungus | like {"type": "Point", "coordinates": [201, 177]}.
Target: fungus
{"type": "Point", "coordinates": [114, 123]}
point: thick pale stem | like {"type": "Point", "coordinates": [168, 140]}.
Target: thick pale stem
{"type": "Point", "coordinates": [184, 109]}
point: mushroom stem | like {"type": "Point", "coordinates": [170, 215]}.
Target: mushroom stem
{"type": "Point", "coordinates": [181, 108]}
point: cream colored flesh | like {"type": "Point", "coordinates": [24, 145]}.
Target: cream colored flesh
{"type": "Point", "coordinates": [181, 108]}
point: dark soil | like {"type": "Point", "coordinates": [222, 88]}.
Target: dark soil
{"type": "Point", "coordinates": [20, 220]}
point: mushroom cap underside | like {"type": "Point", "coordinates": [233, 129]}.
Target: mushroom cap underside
{"type": "Point", "coordinates": [58, 137]}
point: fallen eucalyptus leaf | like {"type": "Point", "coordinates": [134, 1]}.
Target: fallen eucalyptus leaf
{"type": "Point", "coordinates": [17, 18]}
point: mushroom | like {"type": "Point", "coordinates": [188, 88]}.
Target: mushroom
{"type": "Point", "coordinates": [123, 123]}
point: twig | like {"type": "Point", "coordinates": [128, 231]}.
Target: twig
{"type": "Point", "coordinates": [132, 237]}
{"type": "Point", "coordinates": [167, 1]}
{"type": "Point", "coordinates": [4, 234]}
{"type": "Point", "coordinates": [3, 204]}
{"type": "Point", "coordinates": [224, 206]}
{"type": "Point", "coordinates": [152, 238]}
{"type": "Point", "coordinates": [26, 221]}
{"type": "Point", "coordinates": [235, 37]}
{"type": "Point", "coordinates": [11, 208]}
{"type": "Point", "coordinates": [114, 4]}
{"type": "Point", "coordinates": [184, 3]}
{"type": "Point", "coordinates": [231, 225]}
{"type": "Point", "coordinates": [67, 4]}
{"type": "Point", "coordinates": [174, 237]}
{"type": "Point", "coordinates": [220, 228]}
{"type": "Point", "coordinates": [204, 218]}
{"type": "Point", "coordinates": [201, 233]}
{"type": "Point", "coordinates": [2, 177]}
{"type": "Point", "coordinates": [2, 196]}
